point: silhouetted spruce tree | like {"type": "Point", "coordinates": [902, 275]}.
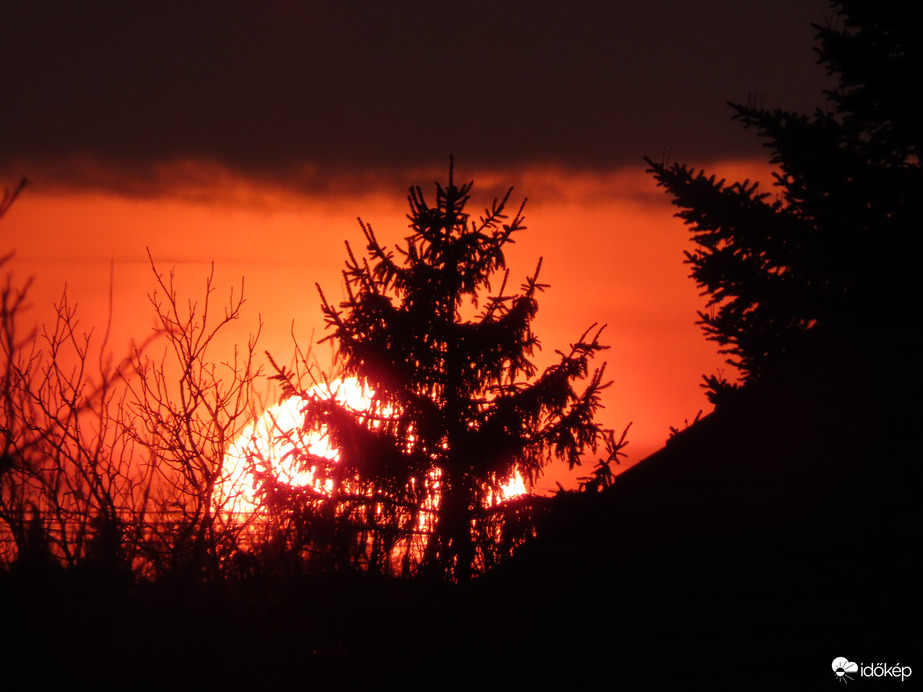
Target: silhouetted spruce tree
{"type": "Point", "coordinates": [832, 255]}
{"type": "Point", "coordinates": [436, 333]}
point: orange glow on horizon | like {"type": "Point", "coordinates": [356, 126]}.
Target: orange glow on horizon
{"type": "Point", "coordinates": [612, 255]}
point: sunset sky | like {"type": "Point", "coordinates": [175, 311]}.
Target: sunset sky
{"type": "Point", "coordinates": [252, 136]}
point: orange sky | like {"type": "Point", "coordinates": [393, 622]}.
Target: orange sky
{"type": "Point", "coordinates": [612, 254]}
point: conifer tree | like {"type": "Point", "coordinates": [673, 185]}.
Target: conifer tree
{"type": "Point", "coordinates": [831, 256]}
{"type": "Point", "coordinates": [435, 331]}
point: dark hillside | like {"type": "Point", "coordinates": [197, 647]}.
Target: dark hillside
{"type": "Point", "coordinates": [774, 535]}
{"type": "Point", "coordinates": [771, 537]}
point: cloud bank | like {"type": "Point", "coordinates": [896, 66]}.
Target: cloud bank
{"type": "Point", "coordinates": [129, 97]}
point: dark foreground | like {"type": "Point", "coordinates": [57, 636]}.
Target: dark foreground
{"type": "Point", "coordinates": [768, 539]}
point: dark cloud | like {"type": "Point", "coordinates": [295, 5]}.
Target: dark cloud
{"type": "Point", "coordinates": [98, 92]}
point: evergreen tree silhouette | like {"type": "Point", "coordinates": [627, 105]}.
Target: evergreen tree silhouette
{"type": "Point", "coordinates": [832, 255]}
{"type": "Point", "coordinates": [459, 407]}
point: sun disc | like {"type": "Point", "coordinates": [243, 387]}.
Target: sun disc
{"type": "Point", "coordinates": [273, 442]}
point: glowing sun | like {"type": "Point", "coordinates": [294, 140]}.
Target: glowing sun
{"type": "Point", "coordinates": [275, 440]}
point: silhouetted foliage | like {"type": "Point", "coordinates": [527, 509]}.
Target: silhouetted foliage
{"type": "Point", "coordinates": [674, 431]}
{"type": "Point", "coordinates": [114, 468]}
{"type": "Point", "coordinates": [185, 409]}
{"type": "Point", "coordinates": [833, 255]}
{"type": "Point", "coordinates": [458, 407]}
{"type": "Point", "coordinates": [66, 468]}
{"type": "Point", "coordinates": [603, 476]}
